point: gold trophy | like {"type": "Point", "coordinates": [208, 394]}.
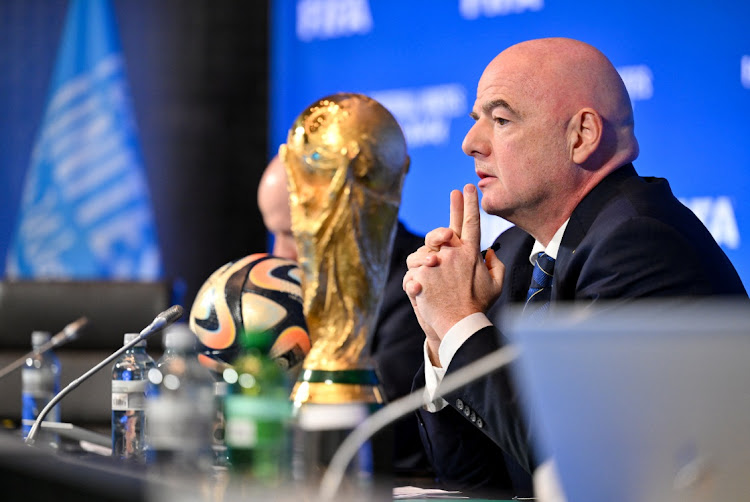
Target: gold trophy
{"type": "Point", "coordinates": [346, 160]}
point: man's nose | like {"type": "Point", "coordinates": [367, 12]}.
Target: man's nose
{"type": "Point", "coordinates": [474, 143]}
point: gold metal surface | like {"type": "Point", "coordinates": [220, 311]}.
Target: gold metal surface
{"type": "Point", "coordinates": [336, 393]}
{"type": "Point", "coordinates": [346, 160]}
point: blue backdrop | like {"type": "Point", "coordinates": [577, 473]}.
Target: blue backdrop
{"type": "Point", "coordinates": [686, 66]}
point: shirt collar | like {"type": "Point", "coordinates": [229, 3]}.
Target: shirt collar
{"type": "Point", "coordinates": [552, 248]}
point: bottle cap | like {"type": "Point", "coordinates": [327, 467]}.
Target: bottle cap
{"type": "Point", "coordinates": [39, 338]}
{"type": "Point", "coordinates": [179, 337]}
{"type": "Point", "coordinates": [129, 337]}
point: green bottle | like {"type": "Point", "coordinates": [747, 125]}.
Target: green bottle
{"type": "Point", "coordinates": [258, 413]}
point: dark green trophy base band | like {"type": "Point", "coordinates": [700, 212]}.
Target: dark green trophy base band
{"type": "Point", "coordinates": [357, 377]}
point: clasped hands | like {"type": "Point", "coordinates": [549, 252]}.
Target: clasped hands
{"type": "Point", "coordinates": [447, 279]}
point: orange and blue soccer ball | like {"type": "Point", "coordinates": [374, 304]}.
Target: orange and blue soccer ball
{"type": "Point", "coordinates": [259, 293]}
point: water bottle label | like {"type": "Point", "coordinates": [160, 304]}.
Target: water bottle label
{"type": "Point", "coordinates": [38, 383]}
{"type": "Point", "coordinates": [119, 401]}
{"type": "Point", "coordinates": [128, 402]}
{"type": "Point", "coordinates": [241, 433]}
{"type": "Point", "coordinates": [178, 424]}
{"type": "Point", "coordinates": [128, 395]}
{"type": "Point", "coordinates": [129, 386]}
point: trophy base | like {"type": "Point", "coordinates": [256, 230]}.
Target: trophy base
{"type": "Point", "coordinates": [337, 387]}
{"type": "Point", "coordinates": [320, 429]}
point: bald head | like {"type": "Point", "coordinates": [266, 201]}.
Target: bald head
{"type": "Point", "coordinates": [273, 202]}
{"type": "Point", "coordinates": [552, 119]}
{"type": "Point", "coordinates": [565, 76]}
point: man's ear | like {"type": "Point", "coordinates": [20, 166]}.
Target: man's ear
{"type": "Point", "coordinates": [584, 134]}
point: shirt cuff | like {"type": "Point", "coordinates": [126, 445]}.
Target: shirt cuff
{"type": "Point", "coordinates": [432, 378]}
{"type": "Point", "coordinates": [452, 341]}
{"type": "Point", "coordinates": [458, 334]}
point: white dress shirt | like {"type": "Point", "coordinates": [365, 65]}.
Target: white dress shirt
{"type": "Point", "coordinates": [466, 327]}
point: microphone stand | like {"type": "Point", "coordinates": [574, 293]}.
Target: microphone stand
{"type": "Point", "coordinates": [337, 467]}
{"type": "Point", "coordinates": [162, 320]}
{"type": "Point", "coordinates": [68, 334]}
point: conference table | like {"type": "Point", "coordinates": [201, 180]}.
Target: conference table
{"type": "Point", "coordinates": [74, 475]}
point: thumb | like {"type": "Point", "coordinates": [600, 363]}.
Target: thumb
{"type": "Point", "coordinates": [495, 267]}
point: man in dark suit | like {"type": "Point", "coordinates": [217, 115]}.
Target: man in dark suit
{"type": "Point", "coordinates": [553, 145]}
{"type": "Point", "coordinates": [396, 343]}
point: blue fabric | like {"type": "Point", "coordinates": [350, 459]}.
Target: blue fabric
{"type": "Point", "coordinates": [86, 211]}
{"type": "Point", "coordinates": [540, 290]}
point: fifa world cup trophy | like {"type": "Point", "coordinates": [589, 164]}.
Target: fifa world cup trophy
{"type": "Point", "coordinates": [346, 160]}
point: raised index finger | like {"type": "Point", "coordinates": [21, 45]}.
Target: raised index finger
{"type": "Point", "coordinates": [470, 226]}
{"type": "Point", "coordinates": [457, 212]}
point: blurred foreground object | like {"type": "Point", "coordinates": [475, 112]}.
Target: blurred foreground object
{"type": "Point", "coordinates": [259, 293]}
{"type": "Point", "coordinates": [258, 415]}
{"type": "Point", "coordinates": [180, 410]}
{"type": "Point", "coordinates": [648, 400]}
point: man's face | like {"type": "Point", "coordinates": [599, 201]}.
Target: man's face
{"type": "Point", "coordinates": [273, 201]}
{"type": "Point", "coordinates": [279, 223]}
{"type": "Point", "coordinates": [284, 245]}
{"type": "Point", "coordinates": [518, 140]}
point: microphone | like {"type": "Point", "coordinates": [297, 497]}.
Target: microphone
{"type": "Point", "coordinates": [68, 334]}
{"type": "Point", "coordinates": [160, 322]}
{"type": "Point", "coordinates": [390, 413]}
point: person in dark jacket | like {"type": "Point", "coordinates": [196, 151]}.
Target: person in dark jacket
{"type": "Point", "coordinates": [553, 144]}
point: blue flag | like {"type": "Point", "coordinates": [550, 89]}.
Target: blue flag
{"type": "Point", "coordinates": [85, 211]}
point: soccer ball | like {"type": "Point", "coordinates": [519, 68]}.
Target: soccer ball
{"type": "Point", "coordinates": [259, 293]}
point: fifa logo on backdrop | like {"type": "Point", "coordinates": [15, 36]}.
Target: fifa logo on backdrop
{"type": "Point", "coordinates": [425, 113]}
{"type": "Point", "coordinates": [473, 9]}
{"type": "Point", "coordinates": [745, 71]}
{"type": "Point", "coordinates": [325, 19]}
{"type": "Point", "coordinates": [717, 213]}
{"type": "Point", "coordinates": [639, 80]}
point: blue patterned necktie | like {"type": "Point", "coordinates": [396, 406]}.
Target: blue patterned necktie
{"type": "Point", "coordinates": [540, 291]}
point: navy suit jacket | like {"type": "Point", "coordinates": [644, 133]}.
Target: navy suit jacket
{"type": "Point", "coordinates": [396, 346]}
{"type": "Point", "coordinates": [628, 238]}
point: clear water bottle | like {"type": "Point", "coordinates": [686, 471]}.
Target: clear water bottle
{"type": "Point", "coordinates": [40, 382]}
{"type": "Point", "coordinates": [221, 453]}
{"type": "Point", "coordinates": [181, 412]}
{"type": "Point", "coordinates": [170, 350]}
{"type": "Point", "coordinates": [129, 389]}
